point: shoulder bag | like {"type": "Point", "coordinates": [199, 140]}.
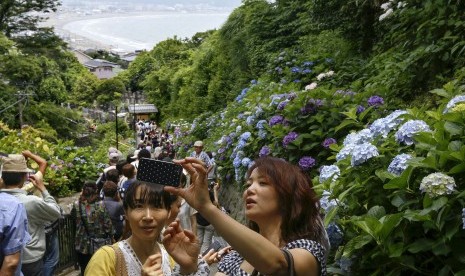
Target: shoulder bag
{"type": "Point", "coordinates": [95, 243]}
{"type": "Point", "coordinates": [290, 264]}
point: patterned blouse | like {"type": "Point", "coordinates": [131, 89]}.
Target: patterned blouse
{"type": "Point", "coordinates": [98, 222]}
{"type": "Point", "coordinates": [231, 263]}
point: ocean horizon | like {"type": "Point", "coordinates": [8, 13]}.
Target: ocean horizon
{"type": "Point", "coordinates": [139, 32]}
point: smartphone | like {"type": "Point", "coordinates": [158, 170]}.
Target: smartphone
{"type": "Point", "coordinates": [159, 172]}
{"type": "Point", "coordinates": [216, 246]}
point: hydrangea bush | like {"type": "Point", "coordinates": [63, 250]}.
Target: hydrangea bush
{"type": "Point", "coordinates": [398, 195]}
{"type": "Point", "coordinates": [68, 165]}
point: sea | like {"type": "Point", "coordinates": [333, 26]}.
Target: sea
{"type": "Point", "coordinates": [138, 32]}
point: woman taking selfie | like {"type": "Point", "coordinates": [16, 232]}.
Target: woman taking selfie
{"type": "Point", "coordinates": [283, 212]}
{"type": "Point", "coordinates": [147, 208]}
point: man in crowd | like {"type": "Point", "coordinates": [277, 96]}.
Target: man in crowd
{"type": "Point", "coordinates": [13, 234]}
{"type": "Point", "coordinates": [39, 210]}
{"type": "Point", "coordinates": [200, 154]}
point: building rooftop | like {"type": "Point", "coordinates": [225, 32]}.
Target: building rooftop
{"type": "Point", "coordinates": [142, 108]}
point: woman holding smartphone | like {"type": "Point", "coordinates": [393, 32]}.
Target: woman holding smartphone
{"type": "Point", "coordinates": [283, 211]}
{"type": "Point", "coordinates": [147, 208]}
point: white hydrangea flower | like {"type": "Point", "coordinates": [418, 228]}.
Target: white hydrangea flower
{"type": "Point", "coordinates": [311, 86]}
{"type": "Point", "coordinates": [437, 184]}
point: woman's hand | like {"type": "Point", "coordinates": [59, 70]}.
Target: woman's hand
{"type": "Point", "coordinates": [213, 257]}
{"type": "Point", "coordinates": [197, 193]}
{"type": "Point", "coordinates": [182, 245]}
{"type": "Point", "coordinates": [152, 266]}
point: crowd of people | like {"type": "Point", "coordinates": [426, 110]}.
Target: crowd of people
{"type": "Point", "coordinates": [129, 227]}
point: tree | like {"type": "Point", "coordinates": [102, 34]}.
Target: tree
{"type": "Point", "coordinates": [17, 16]}
{"type": "Point", "coordinates": [109, 93]}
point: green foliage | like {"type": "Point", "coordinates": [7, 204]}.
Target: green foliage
{"type": "Point", "coordinates": [109, 93]}
{"type": "Point", "coordinates": [389, 222]}
{"type": "Point", "coordinates": [69, 166]}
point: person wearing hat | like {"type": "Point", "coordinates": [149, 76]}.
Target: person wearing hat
{"type": "Point", "coordinates": [114, 156]}
{"type": "Point", "coordinates": [39, 210]}
{"type": "Point", "coordinates": [200, 154]}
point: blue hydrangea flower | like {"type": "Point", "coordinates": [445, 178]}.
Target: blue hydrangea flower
{"type": "Point", "coordinates": [399, 164]}
{"type": "Point", "coordinates": [360, 109]}
{"type": "Point", "coordinates": [308, 63]}
{"type": "Point", "coordinates": [261, 124]}
{"type": "Point", "coordinates": [453, 102]}
{"type": "Point", "coordinates": [242, 95]}
{"type": "Point", "coordinates": [375, 101]}
{"type": "Point", "coordinates": [221, 150]}
{"type": "Point", "coordinates": [237, 162]}
{"type": "Point", "coordinates": [409, 129]}
{"type": "Point", "coordinates": [306, 71]}
{"type": "Point", "coordinates": [327, 142]}
{"type": "Point", "coordinates": [345, 93]}
{"type": "Point", "coordinates": [253, 81]}
{"type": "Point", "coordinates": [246, 161]}
{"type": "Point", "coordinates": [326, 203]}
{"type": "Point", "coordinates": [250, 120]}
{"type": "Point", "coordinates": [264, 151]}
{"type": "Point", "coordinates": [276, 119]}
{"type": "Point", "coordinates": [361, 153]}
{"type": "Point", "coordinates": [307, 162]}
{"type": "Point", "coordinates": [335, 235]}
{"type": "Point", "coordinates": [329, 172]}
{"type": "Point", "coordinates": [282, 104]}
{"type": "Point", "coordinates": [241, 144]}
{"type": "Point", "coordinates": [262, 134]}
{"type": "Point", "coordinates": [238, 129]}
{"type": "Point", "coordinates": [437, 184]}
{"type": "Point", "coordinates": [276, 98]}
{"type": "Point", "coordinates": [245, 136]}
{"type": "Point", "coordinates": [383, 126]}
{"type": "Point", "coordinates": [290, 137]}
{"type": "Point", "coordinates": [345, 152]}
{"type": "Point", "coordinates": [297, 81]}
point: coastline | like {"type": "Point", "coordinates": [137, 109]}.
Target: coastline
{"type": "Point", "coordinates": [76, 41]}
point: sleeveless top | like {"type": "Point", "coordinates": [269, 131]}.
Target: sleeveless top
{"type": "Point", "coordinates": [133, 264]}
{"type": "Point", "coordinates": [231, 263]}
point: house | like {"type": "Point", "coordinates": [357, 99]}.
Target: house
{"type": "Point", "coordinates": [142, 111]}
{"type": "Point", "coordinates": [102, 69]}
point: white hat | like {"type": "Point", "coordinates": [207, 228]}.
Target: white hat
{"type": "Point", "coordinates": [198, 144]}
{"type": "Point", "coordinates": [136, 152]}
{"type": "Point", "coordinates": [15, 163]}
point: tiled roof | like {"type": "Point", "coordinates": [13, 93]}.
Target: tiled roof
{"type": "Point", "coordinates": [142, 108]}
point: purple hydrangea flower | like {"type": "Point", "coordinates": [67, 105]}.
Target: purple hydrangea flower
{"type": "Point", "coordinates": [306, 163]}
{"type": "Point", "coordinates": [311, 106]}
{"type": "Point", "coordinates": [282, 104]}
{"type": "Point", "coordinates": [360, 109]}
{"type": "Point", "coordinates": [276, 119]}
{"type": "Point", "coordinates": [264, 151]}
{"type": "Point", "coordinates": [290, 137]}
{"type": "Point", "coordinates": [375, 101]}
{"type": "Point", "coordinates": [291, 96]}
{"type": "Point", "coordinates": [327, 142]}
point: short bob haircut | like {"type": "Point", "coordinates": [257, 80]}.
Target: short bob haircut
{"type": "Point", "coordinates": [298, 202]}
{"type": "Point", "coordinates": [151, 194]}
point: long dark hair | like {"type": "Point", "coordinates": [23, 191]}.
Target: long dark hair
{"type": "Point", "coordinates": [152, 194]}
{"type": "Point", "coordinates": [89, 192]}
{"type": "Point", "coordinates": [298, 202]}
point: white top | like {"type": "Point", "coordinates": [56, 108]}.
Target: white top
{"type": "Point", "coordinates": [133, 264]}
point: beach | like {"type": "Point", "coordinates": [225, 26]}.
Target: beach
{"type": "Point", "coordinates": [130, 31]}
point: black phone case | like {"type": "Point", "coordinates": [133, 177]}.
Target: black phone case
{"type": "Point", "coordinates": [159, 172]}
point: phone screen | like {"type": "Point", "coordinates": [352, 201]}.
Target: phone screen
{"type": "Point", "coordinates": [159, 172]}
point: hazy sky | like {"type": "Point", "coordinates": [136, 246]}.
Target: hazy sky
{"type": "Point", "coordinates": [215, 3]}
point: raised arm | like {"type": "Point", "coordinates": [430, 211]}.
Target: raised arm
{"type": "Point", "coordinates": [253, 247]}
{"type": "Point", "coordinates": [39, 160]}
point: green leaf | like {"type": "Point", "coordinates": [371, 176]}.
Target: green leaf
{"type": "Point", "coordinates": [388, 223]}
{"type": "Point", "coordinates": [356, 243]}
{"type": "Point", "coordinates": [344, 124]}
{"type": "Point", "coordinates": [400, 182]}
{"type": "Point", "coordinates": [330, 215]}
{"type": "Point", "coordinates": [395, 249]}
{"type": "Point", "coordinates": [420, 245]}
{"type": "Point", "coordinates": [376, 212]}
{"type": "Point", "coordinates": [370, 226]}
{"type": "Point", "coordinates": [453, 128]}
